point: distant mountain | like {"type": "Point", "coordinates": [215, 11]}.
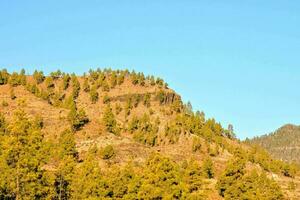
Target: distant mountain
{"type": "Point", "coordinates": [283, 144]}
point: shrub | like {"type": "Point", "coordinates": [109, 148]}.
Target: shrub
{"type": "Point", "coordinates": [289, 170]}
{"type": "Point", "coordinates": [106, 99]}
{"type": "Point", "coordinates": [107, 152]}
{"type": "Point", "coordinates": [4, 103]}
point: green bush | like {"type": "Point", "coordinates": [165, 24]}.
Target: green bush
{"type": "Point", "coordinates": [107, 152]}
{"type": "Point", "coordinates": [4, 103]}
{"type": "Point", "coordinates": [106, 99]}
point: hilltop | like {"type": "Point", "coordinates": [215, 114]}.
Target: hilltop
{"type": "Point", "coordinates": [115, 134]}
{"type": "Point", "coordinates": [283, 144]}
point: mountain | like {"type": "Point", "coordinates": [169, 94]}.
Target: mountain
{"type": "Point", "coordinates": [115, 134]}
{"type": "Point", "coordinates": [283, 144]}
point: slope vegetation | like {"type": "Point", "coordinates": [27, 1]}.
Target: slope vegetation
{"type": "Point", "coordinates": [283, 144]}
{"type": "Point", "coordinates": [122, 135]}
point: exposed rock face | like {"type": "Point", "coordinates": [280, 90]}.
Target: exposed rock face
{"type": "Point", "coordinates": [171, 98]}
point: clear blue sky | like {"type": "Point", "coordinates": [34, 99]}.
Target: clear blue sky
{"type": "Point", "coordinates": [238, 61]}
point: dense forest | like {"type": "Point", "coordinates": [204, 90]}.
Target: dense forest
{"type": "Point", "coordinates": [283, 144]}
{"type": "Point", "coordinates": [115, 134]}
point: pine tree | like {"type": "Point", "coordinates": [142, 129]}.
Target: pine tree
{"type": "Point", "coordinates": [77, 118]}
{"type": "Point", "coordinates": [121, 78]}
{"type": "Point", "coordinates": [109, 121]}
{"type": "Point", "coordinates": [94, 96]}
{"type": "Point", "coordinates": [207, 168]}
{"type": "Point", "coordinates": [14, 79]}
{"type": "Point", "coordinates": [68, 156]}
{"type": "Point", "coordinates": [3, 124]}
{"type": "Point", "coordinates": [38, 76]}
{"type": "Point", "coordinates": [75, 86]}
{"type": "Point", "coordinates": [22, 159]}
{"type": "Point", "coordinates": [56, 75]}
{"type": "Point", "coordinates": [22, 77]}
{"type": "Point", "coordinates": [193, 177]}
{"type": "Point", "coordinates": [134, 78]}
{"type": "Point", "coordinates": [86, 85]}
{"type": "Point", "coordinates": [196, 144]}
{"type": "Point", "coordinates": [63, 178]}
{"type": "Point", "coordinates": [147, 99]}
{"type": "Point", "coordinates": [88, 183]}
{"type": "Point", "coordinates": [113, 79]}
{"type": "Point", "coordinates": [254, 186]}
{"type": "Point", "coordinates": [123, 183]}
{"type": "Point", "coordinates": [233, 172]}
{"type": "Point", "coordinates": [66, 81]}
{"type": "Point", "coordinates": [161, 179]}
{"type": "Point", "coordinates": [49, 82]}
{"type": "Point", "coordinates": [67, 145]}
{"type": "Point", "coordinates": [4, 77]}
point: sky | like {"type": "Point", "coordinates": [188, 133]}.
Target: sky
{"type": "Point", "coordinates": [238, 61]}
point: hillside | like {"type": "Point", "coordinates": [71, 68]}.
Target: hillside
{"type": "Point", "coordinates": [123, 135]}
{"type": "Point", "coordinates": [283, 144]}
